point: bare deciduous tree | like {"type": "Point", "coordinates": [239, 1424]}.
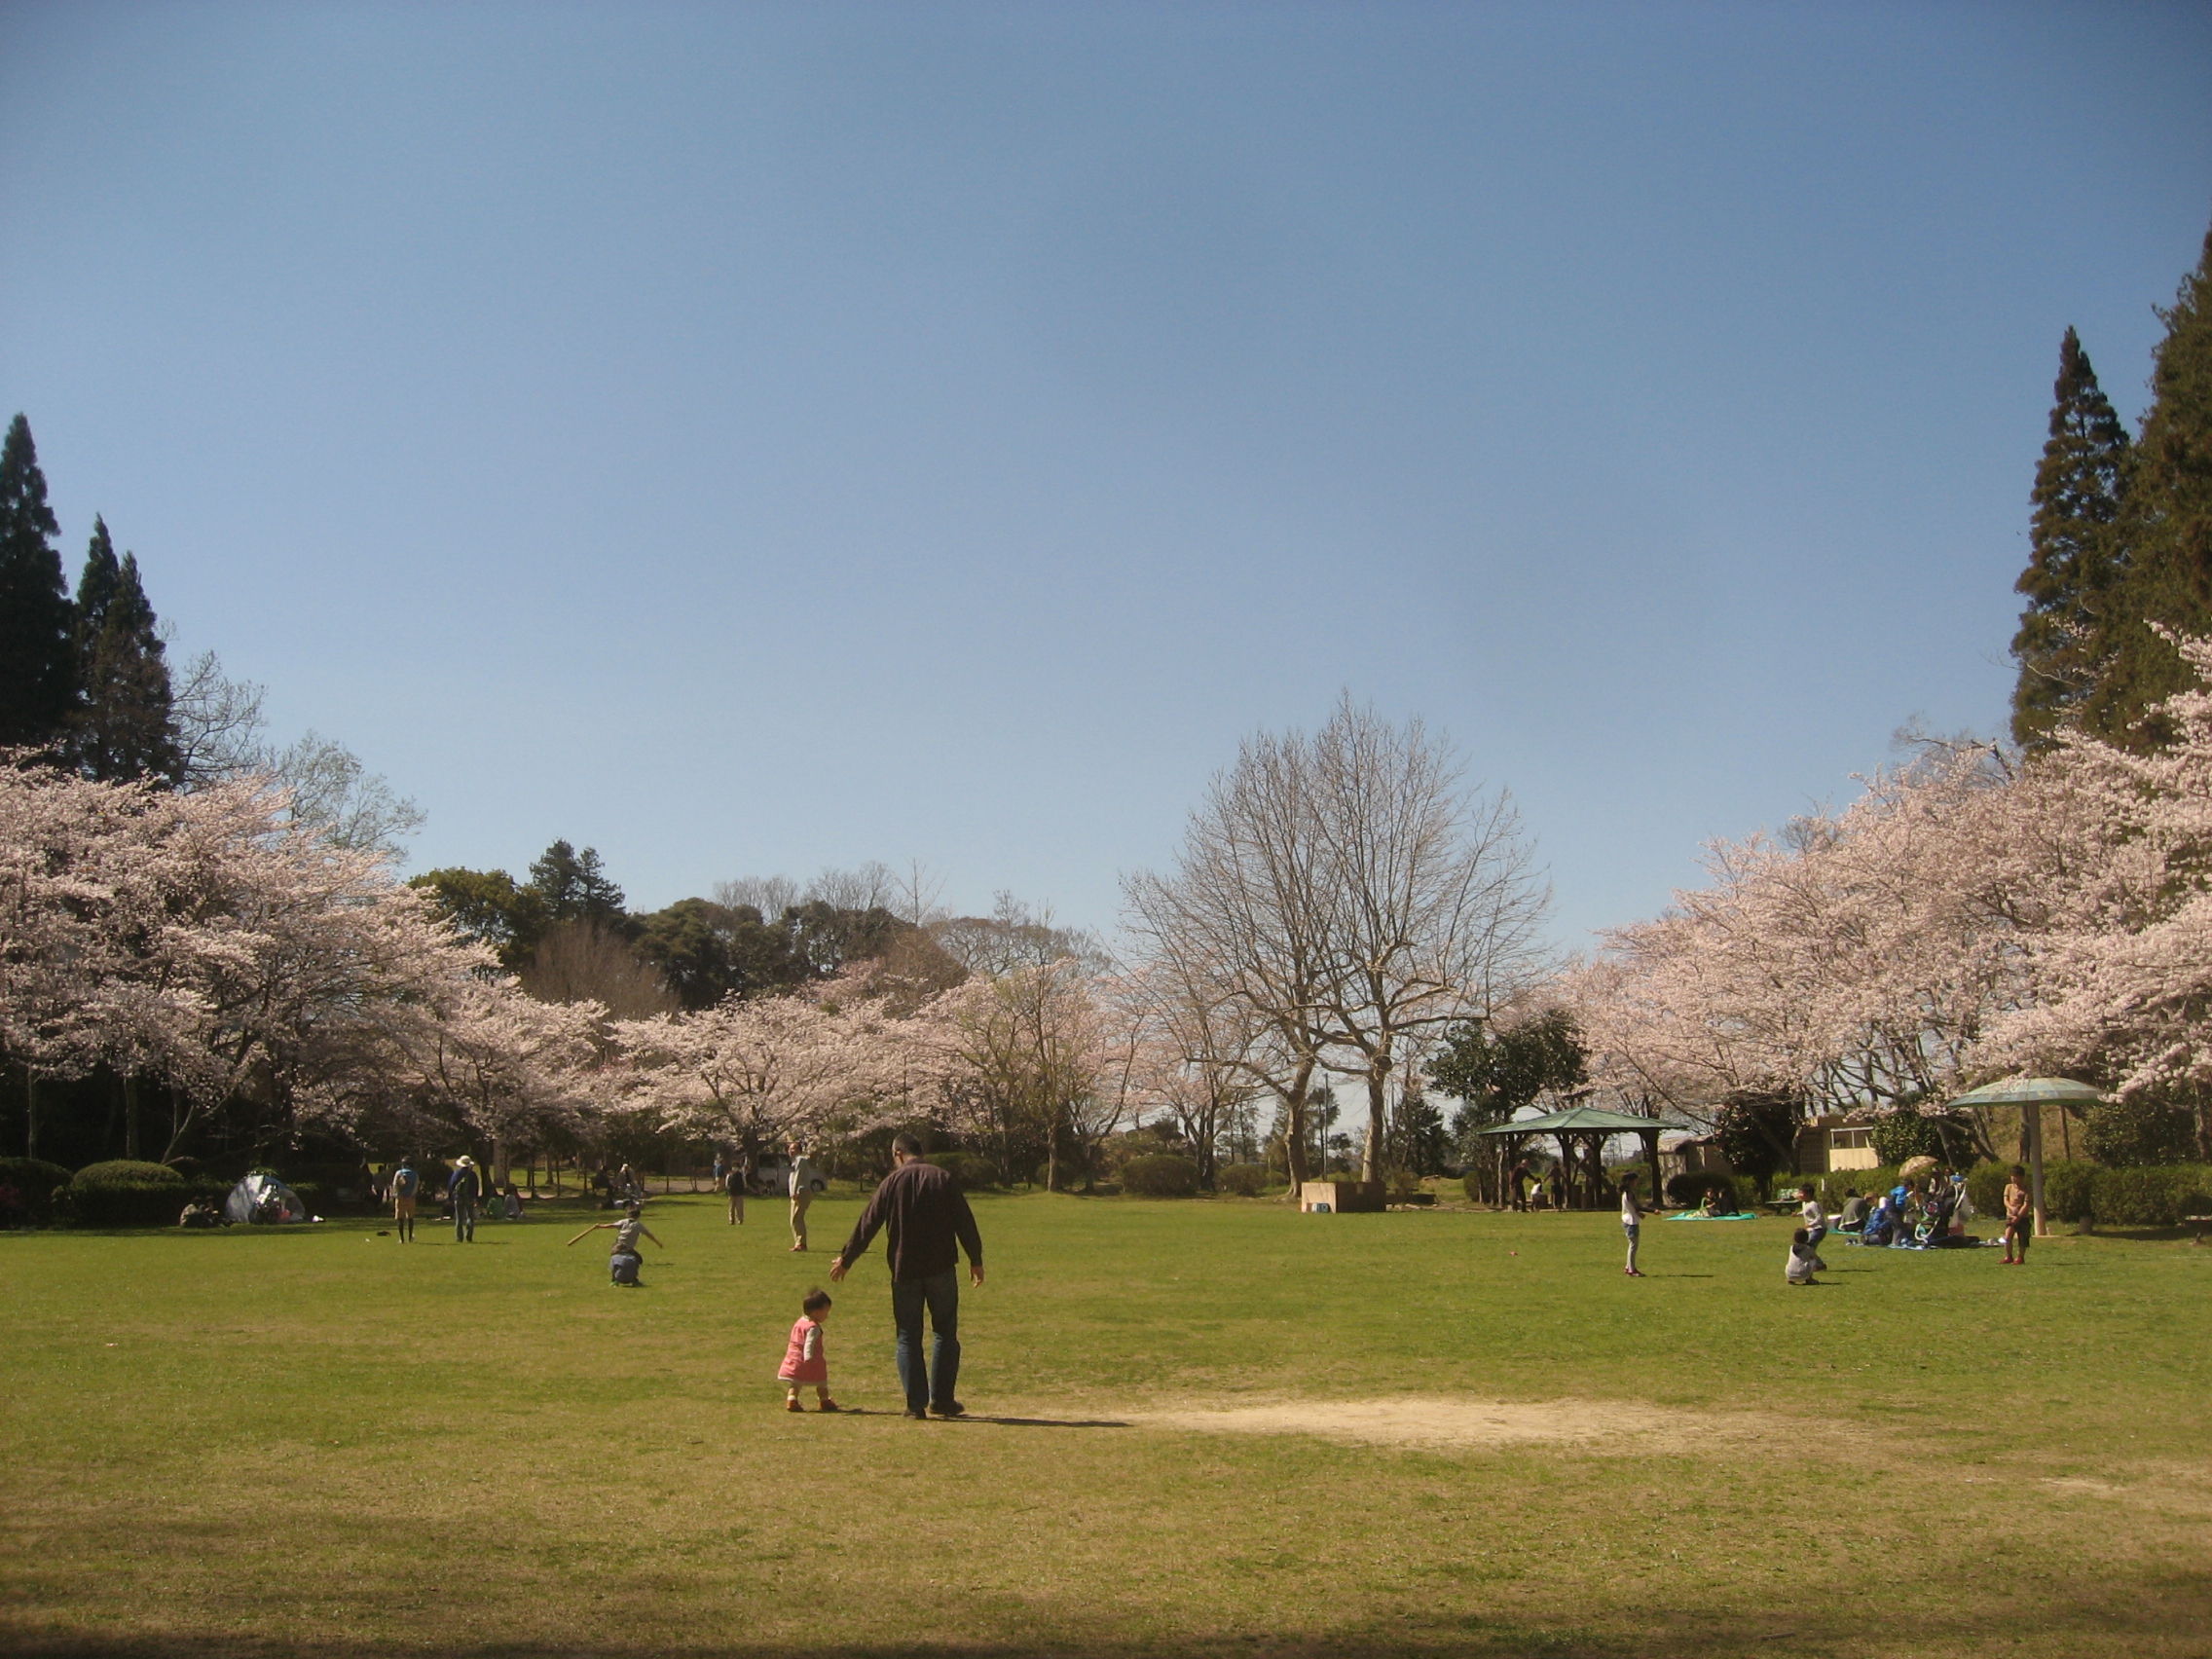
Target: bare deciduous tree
{"type": "Point", "coordinates": [219, 737]}
{"type": "Point", "coordinates": [1438, 899]}
{"type": "Point", "coordinates": [580, 961]}
{"type": "Point", "coordinates": [1249, 908]}
{"type": "Point", "coordinates": [1355, 895]}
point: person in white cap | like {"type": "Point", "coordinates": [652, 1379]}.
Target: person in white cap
{"type": "Point", "coordinates": [464, 1187]}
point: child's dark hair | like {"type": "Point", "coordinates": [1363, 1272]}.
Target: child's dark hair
{"type": "Point", "coordinates": [1801, 1236]}
{"type": "Point", "coordinates": [816, 1300]}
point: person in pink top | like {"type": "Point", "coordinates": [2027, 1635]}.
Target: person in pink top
{"type": "Point", "coordinates": [806, 1359]}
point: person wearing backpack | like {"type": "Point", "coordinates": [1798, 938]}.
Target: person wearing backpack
{"type": "Point", "coordinates": [405, 1185]}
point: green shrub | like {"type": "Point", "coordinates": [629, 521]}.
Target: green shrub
{"type": "Point", "coordinates": [1833, 1189]}
{"type": "Point", "coordinates": [1687, 1191]}
{"type": "Point", "coordinates": [127, 1172]}
{"type": "Point", "coordinates": [1245, 1180]}
{"type": "Point", "coordinates": [2128, 1134]}
{"type": "Point", "coordinates": [1160, 1175]}
{"type": "Point", "coordinates": [970, 1169]}
{"type": "Point", "coordinates": [2149, 1196]}
{"type": "Point", "coordinates": [34, 1182]}
{"type": "Point", "coordinates": [147, 1205]}
{"type": "Point", "coordinates": [2068, 1191]}
{"type": "Point", "coordinates": [2157, 1195]}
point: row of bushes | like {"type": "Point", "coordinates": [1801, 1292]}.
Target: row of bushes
{"type": "Point", "coordinates": [2074, 1190]}
{"type": "Point", "coordinates": [34, 1182]}
{"type": "Point", "coordinates": [1151, 1175]}
{"type": "Point", "coordinates": [2155, 1195]}
{"type": "Point", "coordinates": [122, 1192]}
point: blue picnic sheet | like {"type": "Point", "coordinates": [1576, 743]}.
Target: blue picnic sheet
{"type": "Point", "coordinates": [1700, 1215]}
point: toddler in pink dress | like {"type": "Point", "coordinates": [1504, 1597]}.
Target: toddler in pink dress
{"type": "Point", "coordinates": [807, 1359]}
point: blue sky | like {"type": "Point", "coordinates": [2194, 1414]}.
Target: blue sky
{"type": "Point", "coordinates": [750, 440]}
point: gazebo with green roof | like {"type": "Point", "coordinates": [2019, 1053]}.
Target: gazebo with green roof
{"type": "Point", "coordinates": [1582, 1133]}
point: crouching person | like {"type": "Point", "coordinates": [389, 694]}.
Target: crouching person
{"type": "Point", "coordinates": [623, 1265]}
{"type": "Point", "coordinates": [1803, 1262]}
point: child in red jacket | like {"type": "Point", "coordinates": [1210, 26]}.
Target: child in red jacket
{"type": "Point", "coordinates": [806, 1359]}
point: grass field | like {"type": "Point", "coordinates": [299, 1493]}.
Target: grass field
{"type": "Point", "coordinates": [320, 1442]}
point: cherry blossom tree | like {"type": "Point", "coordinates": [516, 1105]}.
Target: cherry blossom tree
{"type": "Point", "coordinates": [762, 1069]}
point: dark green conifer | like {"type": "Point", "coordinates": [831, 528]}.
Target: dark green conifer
{"type": "Point", "coordinates": [2164, 526]}
{"type": "Point", "coordinates": [2072, 563]}
{"type": "Point", "coordinates": [38, 669]}
{"type": "Point", "coordinates": [124, 723]}
{"type": "Point", "coordinates": [575, 887]}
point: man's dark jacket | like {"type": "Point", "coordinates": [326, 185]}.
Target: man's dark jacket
{"type": "Point", "coordinates": [927, 1213]}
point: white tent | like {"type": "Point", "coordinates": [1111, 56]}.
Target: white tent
{"type": "Point", "coordinates": [264, 1198]}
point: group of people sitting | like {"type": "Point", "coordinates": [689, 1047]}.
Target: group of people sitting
{"type": "Point", "coordinates": [1922, 1212]}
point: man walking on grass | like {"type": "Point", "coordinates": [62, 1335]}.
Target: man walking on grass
{"type": "Point", "coordinates": [803, 1175]}
{"type": "Point", "coordinates": [929, 1224]}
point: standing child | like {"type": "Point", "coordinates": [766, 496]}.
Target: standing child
{"type": "Point", "coordinates": [1803, 1263]}
{"type": "Point", "coordinates": [404, 1186]}
{"type": "Point", "coordinates": [734, 1181]}
{"type": "Point", "coordinates": [1816, 1224]}
{"type": "Point", "coordinates": [2018, 1224]}
{"type": "Point", "coordinates": [1631, 1222]}
{"type": "Point", "coordinates": [804, 1174]}
{"type": "Point", "coordinates": [806, 1359]}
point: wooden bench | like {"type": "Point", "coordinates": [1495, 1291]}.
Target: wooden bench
{"type": "Point", "coordinates": [2199, 1223]}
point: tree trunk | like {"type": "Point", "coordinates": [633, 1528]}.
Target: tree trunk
{"type": "Point", "coordinates": [130, 1116]}
{"type": "Point", "coordinates": [1294, 1129]}
{"type": "Point", "coordinates": [1378, 1086]}
{"type": "Point", "coordinates": [30, 1113]}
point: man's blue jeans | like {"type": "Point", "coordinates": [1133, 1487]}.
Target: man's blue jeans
{"type": "Point", "coordinates": [932, 1385]}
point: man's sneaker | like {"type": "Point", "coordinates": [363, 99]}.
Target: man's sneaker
{"type": "Point", "coordinates": [918, 1417]}
{"type": "Point", "coordinates": [954, 1410]}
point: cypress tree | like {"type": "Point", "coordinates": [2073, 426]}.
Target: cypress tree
{"type": "Point", "coordinates": [38, 678]}
{"type": "Point", "coordinates": [2165, 524]}
{"type": "Point", "coordinates": [125, 728]}
{"type": "Point", "coordinates": [2073, 562]}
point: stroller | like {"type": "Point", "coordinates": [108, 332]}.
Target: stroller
{"type": "Point", "coordinates": [1935, 1223]}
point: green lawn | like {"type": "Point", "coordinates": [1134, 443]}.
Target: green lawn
{"type": "Point", "coordinates": [320, 1442]}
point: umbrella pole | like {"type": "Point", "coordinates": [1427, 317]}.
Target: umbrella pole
{"type": "Point", "coordinates": [2032, 1112]}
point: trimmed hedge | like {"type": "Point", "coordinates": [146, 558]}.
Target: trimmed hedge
{"type": "Point", "coordinates": [2158, 1194]}
{"type": "Point", "coordinates": [969, 1170]}
{"type": "Point", "coordinates": [1245, 1180]}
{"type": "Point", "coordinates": [133, 1207]}
{"type": "Point", "coordinates": [127, 1172]}
{"type": "Point", "coordinates": [1687, 1191]}
{"type": "Point", "coordinates": [35, 1182]}
{"type": "Point", "coordinates": [1160, 1175]}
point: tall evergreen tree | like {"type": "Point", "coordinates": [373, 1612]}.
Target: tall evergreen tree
{"type": "Point", "coordinates": [2074, 564]}
{"type": "Point", "coordinates": [575, 887]}
{"type": "Point", "coordinates": [38, 670]}
{"type": "Point", "coordinates": [2165, 524]}
{"type": "Point", "coordinates": [126, 727]}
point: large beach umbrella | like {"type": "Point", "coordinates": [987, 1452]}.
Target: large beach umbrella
{"type": "Point", "coordinates": [2030, 1094]}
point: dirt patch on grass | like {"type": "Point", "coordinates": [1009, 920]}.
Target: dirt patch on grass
{"type": "Point", "coordinates": [1461, 1421]}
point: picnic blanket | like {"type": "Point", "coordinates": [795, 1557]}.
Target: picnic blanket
{"type": "Point", "coordinates": [1700, 1215]}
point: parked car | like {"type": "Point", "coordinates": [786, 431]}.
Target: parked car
{"type": "Point", "coordinates": [772, 1176]}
